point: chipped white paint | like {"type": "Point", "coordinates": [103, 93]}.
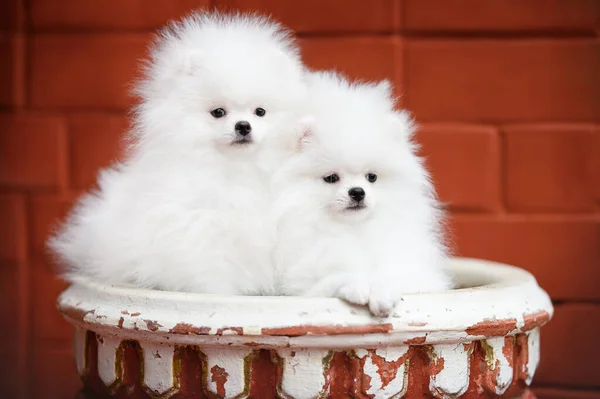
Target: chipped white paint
{"type": "Point", "coordinates": [159, 378]}
{"type": "Point", "coordinates": [396, 386]}
{"type": "Point", "coordinates": [498, 363]}
{"type": "Point", "coordinates": [502, 292]}
{"type": "Point", "coordinates": [520, 321]}
{"type": "Point", "coordinates": [226, 329]}
{"type": "Point", "coordinates": [107, 358]}
{"type": "Point", "coordinates": [252, 330]}
{"type": "Point", "coordinates": [79, 349]}
{"type": "Point", "coordinates": [453, 380]}
{"type": "Point", "coordinates": [228, 364]}
{"type": "Point", "coordinates": [533, 351]}
{"type": "Point", "coordinates": [392, 354]}
{"type": "Point", "coordinates": [303, 373]}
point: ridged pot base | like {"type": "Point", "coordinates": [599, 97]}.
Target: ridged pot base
{"type": "Point", "coordinates": [481, 341]}
{"type": "Point", "coordinates": [495, 368]}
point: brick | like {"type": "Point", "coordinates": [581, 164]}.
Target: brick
{"type": "Point", "coordinates": [569, 355]}
{"type": "Point", "coordinates": [368, 58]}
{"type": "Point", "coordinates": [12, 382]}
{"type": "Point", "coordinates": [12, 15]}
{"type": "Point", "coordinates": [464, 162]}
{"type": "Point", "coordinates": [54, 375]}
{"type": "Point", "coordinates": [596, 164]}
{"type": "Point", "coordinates": [325, 15]}
{"type": "Point", "coordinates": [14, 306]}
{"type": "Point", "coordinates": [48, 324]}
{"type": "Point", "coordinates": [91, 71]}
{"type": "Point", "coordinates": [13, 231]}
{"type": "Point", "coordinates": [561, 252]}
{"type": "Point", "coordinates": [94, 15]}
{"type": "Point", "coordinates": [96, 141]}
{"type": "Point", "coordinates": [32, 151]}
{"type": "Point", "coordinates": [500, 15]}
{"type": "Point", "coordinates": [12, 71]}
{"type": "Point", "coordinates": [503, 80]}
{"type": "Point", "coordinates": [14, 301]}
{"type": "Point", "coordinates": [10, 303]}
{"type": "Point", "coordinates": [47, 212]}
{"type": "Point", "coordinates": [554, 393]}
{"type": "Point", "coordinates": [550, 167]}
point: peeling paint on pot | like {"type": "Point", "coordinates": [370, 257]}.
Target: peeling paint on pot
{"type": "Point", "coordinates": [463, 343]}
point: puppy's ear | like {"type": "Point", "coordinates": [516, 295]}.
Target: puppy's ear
{"type": "Point", "coordinates": [384, 90]}
{"type": "Point", "coordinates": [190, 61]}
{"type": "Point", "coordinates": [404, 125]}
{"type": "Point", "coordinates": [305, 133]}
{"type": "Point", "coordinates": [305, 138]}
{"type": "Point", "coordinates": [385, 86]}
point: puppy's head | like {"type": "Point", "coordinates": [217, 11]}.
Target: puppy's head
{"type": "Point", "coordinates": [332, 180]}
{"type": "Point", "coordinates": [356, 156]}
{"type": "Point", "coordinates": [227, 81]}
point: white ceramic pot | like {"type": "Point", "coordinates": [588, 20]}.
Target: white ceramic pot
{"type": "Point", "coordinates": [481, 340]}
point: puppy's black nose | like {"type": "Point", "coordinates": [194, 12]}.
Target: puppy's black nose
{"type": "Point", "coordinates": [243, 128]}
{"type": "Point", "coordinates": [356, 193]}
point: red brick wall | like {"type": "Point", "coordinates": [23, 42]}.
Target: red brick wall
{"type": "Point", "coordinates": [508, 93]}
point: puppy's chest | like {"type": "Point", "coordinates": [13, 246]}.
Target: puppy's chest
{"type": "Point", "coordinates": [360, 237]}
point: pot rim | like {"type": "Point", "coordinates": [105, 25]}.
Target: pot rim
{"type": "Point", "coordinates": [497, 300]}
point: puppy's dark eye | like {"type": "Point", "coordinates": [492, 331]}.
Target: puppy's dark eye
{"type": "Point", "coordinates": [333, 178]}
{"type": "Point", "coordinates": [371, 177]}
{"type": "Point", "coordinates": [218, 112]}
{"type": "Point", "coordinates": [260, 112]}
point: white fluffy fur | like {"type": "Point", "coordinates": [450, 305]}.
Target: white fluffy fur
{"type": "Point", "coordinates": [372, 256]}
{"type": "Point", "coordinates": [186, 210]}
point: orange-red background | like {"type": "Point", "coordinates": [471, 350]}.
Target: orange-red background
{"type": "Point", "coordinates": [507, 91]}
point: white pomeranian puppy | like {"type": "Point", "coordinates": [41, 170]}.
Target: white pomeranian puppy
{"type": "Point", "coordinates": [186, 210]}
{"type": "Point", "coordinates": [357, 214]}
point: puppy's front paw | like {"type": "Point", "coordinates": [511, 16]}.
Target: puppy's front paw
{"type": "Point", "coordinates": [381, 305]}
{"type": "Point", "coordinates": [356, 292]}
{"type": "Point", "coordinates": [384, 297]}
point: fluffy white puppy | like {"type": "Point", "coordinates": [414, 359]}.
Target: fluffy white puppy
{"type": "Point", "coordinates": [357, 214]}
{"type": "Point", "coordinates": [186, 210]}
